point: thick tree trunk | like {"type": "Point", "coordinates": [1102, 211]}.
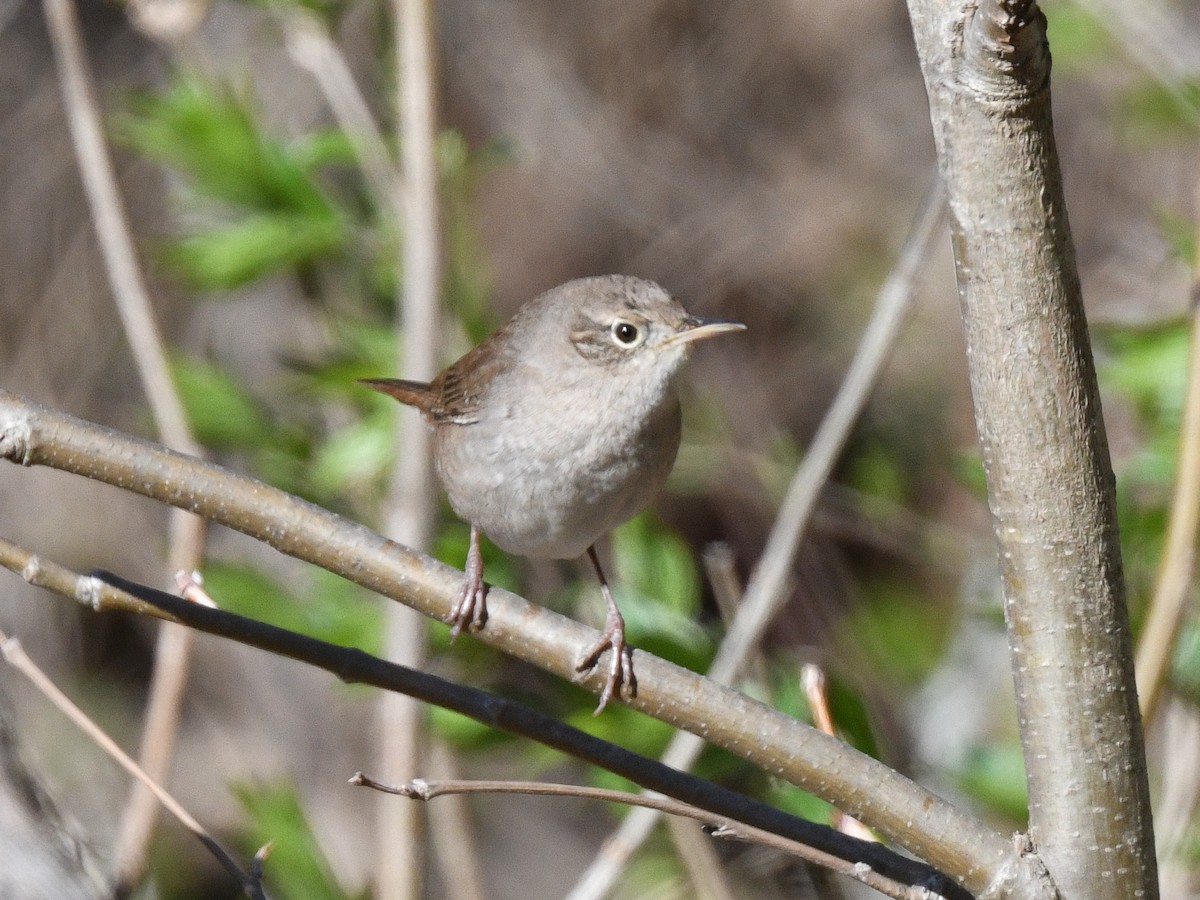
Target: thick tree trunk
{"type": "Point", "coordinates": [1050, 481]}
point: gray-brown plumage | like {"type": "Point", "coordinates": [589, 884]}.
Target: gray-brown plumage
{"type": "Point", "coordinates": [559, 427]}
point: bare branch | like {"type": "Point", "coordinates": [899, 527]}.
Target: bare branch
{"type": "Point", "coordinates": [172, 652]}
{"type": "Point", "coordinates": [105, 591]}
{"type": "Point", "coordinates": [897, 808]}
{"type": "Point", "coordinates": [1174, 587]}
{"type": "Point", "coordinates": [730, 829]}
{"type": "Point", "coordinates": [411, 504]}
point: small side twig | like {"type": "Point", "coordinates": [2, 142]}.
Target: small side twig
{"type": "Point", "coordinates": [15, 655]}
{"type": "Point", "coordinates": [813, 680]}
{"type": "Point", "coordinates": [717, 826]}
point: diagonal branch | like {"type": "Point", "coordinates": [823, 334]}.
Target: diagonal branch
{"type": "Point", "coordinates": [981, 859]}
{"type": "Point", "coordinates": [730, 829]}
{"type": "Point", "coordinates": [103, 591]}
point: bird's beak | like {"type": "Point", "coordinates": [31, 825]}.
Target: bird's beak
{"type": "Point", "coordinates": [697, 329]}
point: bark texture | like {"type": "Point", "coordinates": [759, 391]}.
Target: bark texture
{"type": "Point", "coordinates": [1037, 408]}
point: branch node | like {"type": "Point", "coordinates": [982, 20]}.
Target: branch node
{"type": "Point", "coordinates": [418, 789]}
{"type": "Point", "coordinates": [32, 569]}
{"type": "Point", "coordinates": [1005, 48]}
{"type": "Point", "coordinates": [16, 439]}
{"type": "Point", "coordinates": [90, 590]}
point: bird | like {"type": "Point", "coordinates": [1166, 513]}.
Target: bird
{"type": "Point", "coordinates": [559, 427]}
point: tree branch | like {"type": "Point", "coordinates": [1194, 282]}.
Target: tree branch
{"type": "Point", "coordinates": [103, 591]}
{"type": "Point", "coordinates": [929, 827]}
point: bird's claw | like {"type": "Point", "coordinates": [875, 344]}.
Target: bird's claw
{"type": "Point", "coordinates": [620, 669]}
{"type": "Point", "coordinates": [470, 610]}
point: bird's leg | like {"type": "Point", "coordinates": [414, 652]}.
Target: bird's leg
{"type": "Point", "coordinates": [471, 609]}
{"type": "Point", "coordinates": [620, 671]}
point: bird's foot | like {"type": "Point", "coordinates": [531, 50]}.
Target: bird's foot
{"type": "Point", "coordinates": [470, 611]}
{"type": "Point", "coordinates": [620, 668]}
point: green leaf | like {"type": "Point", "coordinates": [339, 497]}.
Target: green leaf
{"type": "Point", "coordinates": [231, 255]}
{"type": "Point", "coordinates": [899, 629]}
{"type": "Point", "coordinates": [1151, 110]}
{"type": "Point", "coordinates": [1078, 39]}
{"type": "Point", "coordinates": [296, 868]}
{"type": "Point", "coordinates": [1180, 232]}
{"type": "Point", "coordinates": [656, 563]}
{"type": "Point", "coordinates": [1185, 666]}
{"type": "Point", "coordinates": [222, 414]}
{"type": "Point", "coordinates": [209, 133]}
{"type": "Point", "coordinates": [876, 471]}
{"type": "Point", "coordinates": [354, 457]}
{"type": "Point", "coordinates": [331, 608]}
{"type": "Point", "coordinates": [995, 775]}
{"type": "Point", "coordinates": [1149, 365]}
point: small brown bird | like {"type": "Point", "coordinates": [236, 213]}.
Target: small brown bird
{"type": "Point", "coordinates": [559, 427]}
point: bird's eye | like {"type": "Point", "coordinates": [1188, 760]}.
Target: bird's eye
{"type": "Point", "coordinates": [625, 333]}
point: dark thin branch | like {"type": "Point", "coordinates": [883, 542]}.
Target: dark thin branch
{"type": "Point", "coordinates": [104, 591]}
{"type": "Point", "coordinates": [356, 667]}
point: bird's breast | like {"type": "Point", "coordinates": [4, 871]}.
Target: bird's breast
{"type": "Point", "coordinates": [546, 480]}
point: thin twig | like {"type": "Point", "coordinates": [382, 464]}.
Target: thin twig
{"type": "Point", "coordinates": [766, 591]}
{"type": "Point", "coordinates": [717, 826]}
{"type": "Point", "coordinates": [812, 678]}
{"type": "Point", "coordinates": [173, 648]}
{"type": "Point", "coordinates": [1174, 587]}
{"type": "Point", "coordinates": [14, 653]}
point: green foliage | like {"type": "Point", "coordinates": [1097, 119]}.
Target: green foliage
{"type": "Point", "coordinates": [1152, 111]}
{"type": "Point", "coordinates": [212, 136]}
{"type": "Point", "coordinates": [1146, 368]}
{"type": "Point", "coordinates": [1185, 667]}
{"type": "Point", "coordinates": [1078, 40]}
{"type": "Point", "coordinates": [898, 629]}
{"type": "Point", "coordinates": [231, 255]}
{"type": "Point", "coordinates": [296, 868]}
{"type": "Point", "coordinates": [221, 412]}
{"type": "Point", "coordinates": [1149, 366]}
{"type": "Point", "coordinates": [995, 776]}
{"type": "Point", "coordinates": [877, 471]}
{"type": "Point", "coordinates": [280, 214]}
{"type": "Point", "coordinates": [658, 588]}
{"type": "Point", "coordinates": [330, 608]}
{"type": "Point", "coordinates": [1180, 232]}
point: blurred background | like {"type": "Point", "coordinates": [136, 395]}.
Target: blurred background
{"type": "Point", "coordinates": [762, 161]}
